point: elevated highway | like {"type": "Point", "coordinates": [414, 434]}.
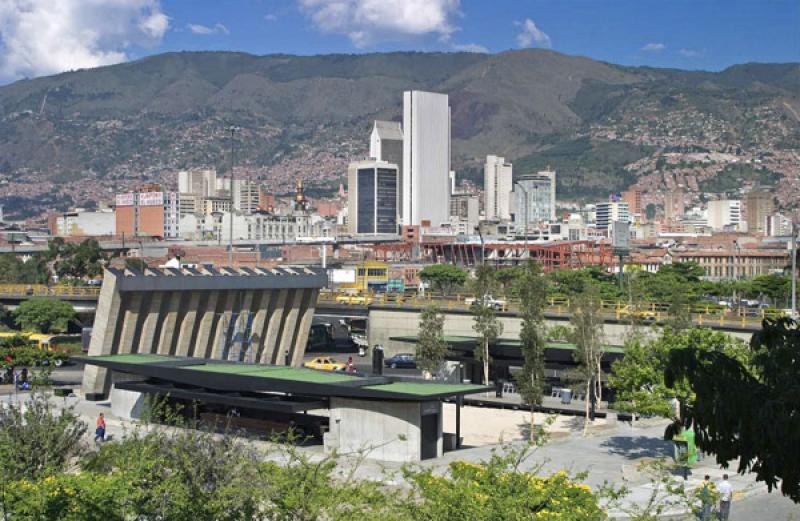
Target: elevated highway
{"type": "Point", "coordinates": [136, 243]}
{"type": "Point", "coordinates": [333, 305]}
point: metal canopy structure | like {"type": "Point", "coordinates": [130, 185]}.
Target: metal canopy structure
{"type": "Point", "coordinates": [215, 377]}
{"type": "Point", "coordinates": [507, 351]}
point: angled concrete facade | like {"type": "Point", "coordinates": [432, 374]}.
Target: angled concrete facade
{"type": "Point", "coordinates": [255, 315]}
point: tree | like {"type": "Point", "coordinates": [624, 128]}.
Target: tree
{"type": "Point", "coordinates": [443, 277]}
{"type": "Point", "coordinates": [747, 410]}
{"type": "Point", "coordinates": [531, 287]}
{"type": "Point", "coordinates": [486, 324]}
{"type": "Point", "coordinates": [44, 316]}
{"type": "Point", "coordinates": [78, 260]}
{"type": "Point", "coordinates": [37, 440]}
{"type": "Point", "coordinates": [431, 345]}
{"type": "Point", "coordinates": [638, 378]}
{"type": "Point", "coordinates": [587, 325]}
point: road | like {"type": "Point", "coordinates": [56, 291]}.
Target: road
{"type": "Point", "coordinates": [765, 507]}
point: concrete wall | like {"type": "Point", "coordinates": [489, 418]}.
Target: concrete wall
{"type": "Point", "coordinates": [127, 405]}
{"type": "Point", "coordinates": [387, 430]}
{"type": "Point", "coordinates": [386, 323]}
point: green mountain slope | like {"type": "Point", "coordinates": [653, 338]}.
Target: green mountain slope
{"type": "Point", "coordinates": [137, 120]}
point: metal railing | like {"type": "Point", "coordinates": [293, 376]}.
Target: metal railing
{"type": "Point", "coordinates": [647, 312]}
{"type": "Point", "coordinates": [40, 290]}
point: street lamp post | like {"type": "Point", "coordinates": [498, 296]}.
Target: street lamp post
{"type": "Point", "coordinates": [232, 130]}
{"type": "Point", "coordinates": [525, 220]}
{"type": "Point", "coordinates": [794, 270]}
{"type": "Point", "coordinates": [480, 235]}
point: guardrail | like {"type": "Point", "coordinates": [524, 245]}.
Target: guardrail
{"type": "Point", "coordinates": [701, 314]}
{"type": "Point", "coordinates": [40, 290]}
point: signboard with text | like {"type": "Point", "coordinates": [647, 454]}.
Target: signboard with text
{"type": "Point", "coordinates": [151, 198]}
{"type": "Point", "coordinates": [125, 199]}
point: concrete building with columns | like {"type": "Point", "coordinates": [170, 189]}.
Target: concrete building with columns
{"type": "Point", "coordinates": [247, 314]}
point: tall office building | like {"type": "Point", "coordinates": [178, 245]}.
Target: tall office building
{"type": "Point", "coordinates": [609, 212]}
{"type": "Point", "coordinates": [724, 213]}
{"type": "Point", "coordinates": [425, 188]}
{"type": "Point", "coordinates": [245, 195]}
{"type": "Point", "coordinates": [464, 213]}
{"type": "Point", "coordinates": [386, 142]}
{"type": "Point", "coordinates": [535, 196]}
{"type": "Point", "coordinates": [497, 184]}
{"type": "Point", "coordinates": [372, 197]}
{"type": "Point", "coordinates": [198, 182]}
{"type": "Point", "coordinates": [759, 205]}
{"type": "Point", "coordinates": [634, 199]}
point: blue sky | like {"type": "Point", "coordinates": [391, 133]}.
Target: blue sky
{"type": "Point", "coordinates": [685, 34]}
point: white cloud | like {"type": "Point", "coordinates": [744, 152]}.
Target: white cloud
{"type": "Point", "coordinates": [532, 36]}
{"type": "Point", "coordinates": [40, 37]}
{"type": "Point", "coordinates": [204, 29]}
{"type": "Point", "coordinates": [366, 22]}
{"type": "Point", "coordinates": [470, 47]}
{"type": "Point", "coordinates": [691, 53]}
{"type": "Point", "coordinates": [270, 17]}
{"type": "Point", "coordinates": [654, 47]}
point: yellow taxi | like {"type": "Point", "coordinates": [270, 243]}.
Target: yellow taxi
{"type": "Point", "coordinates": [325, 363]}
{"type": "Point", "coordinates": [354, 300]}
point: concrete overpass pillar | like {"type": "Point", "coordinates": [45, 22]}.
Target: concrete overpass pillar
{"type": "Point", "coordinates": [269, 354]}
{"type": "Point", "coordinates": [97, 380]}
{"type": "Point", "coordinates": [289, 324]}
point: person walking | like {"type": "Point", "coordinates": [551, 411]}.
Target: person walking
{"type": "Point", "coordinates": [725, 497]}
{"type": "Point", "coordinates": [100, 430]}
{"type": "Point", "coordinates": [707, 498]}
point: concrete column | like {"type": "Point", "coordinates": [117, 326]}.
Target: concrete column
{"type": "Point", "coordinates": [97, 380]}
{"type": "Point", "coordinates": [259, 326]}
{"type": "Point", "coordinates": [245, 310]}
{"type": "Point", "coordinates": [289, 325]}
{"type": "Point", "coordinates": [188, 324]}
{"type": "Point", "coordinates": [168, 322]}
{"type": "Point", "coordinates": [130, 322]}
{"type": "Point", "coordinates": [304, 327]}
{"type": "Point", "coordinates": [269, 354]}
{"type": "Point", "coordinates": [221, 325]}
{"type": "Point", "coordinates": [147, 342]}
{"type": "Point", "coordinates": [201, 346]}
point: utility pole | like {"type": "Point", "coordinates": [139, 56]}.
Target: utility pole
{"type": "Point", "coordinates": [794, 270]}
{"type": "Point", "coordinates": [232, 130]}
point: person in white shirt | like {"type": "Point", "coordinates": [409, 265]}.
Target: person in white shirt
{"type": "Point", "coordinates": [725, 497]}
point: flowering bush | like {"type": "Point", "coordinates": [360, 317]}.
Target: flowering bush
{"type": "Point", "coordinates": [498, 490]}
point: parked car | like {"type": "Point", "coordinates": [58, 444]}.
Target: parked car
{"type": "Point", "coordinates": [354, 299]}
{"type": "Point", "coordinates": [401, 361]}
{"type": "Point", "coordinates": [487, 300]}
{"type": "Point", "coordinates": [325, 363]}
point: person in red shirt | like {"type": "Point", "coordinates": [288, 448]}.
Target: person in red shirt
{"type": "Point", "coordinates": [100, 431]}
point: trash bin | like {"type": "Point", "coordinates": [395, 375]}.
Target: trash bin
{"type": "Point", "coordinates": [498, 387]}
{"type": "Point", "coordinates": [566, 396]}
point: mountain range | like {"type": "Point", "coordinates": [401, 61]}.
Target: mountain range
{"type": "Point", "coordinates": [307, 116]}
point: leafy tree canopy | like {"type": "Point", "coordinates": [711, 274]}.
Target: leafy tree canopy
{"type": "Point", "coordinates": [746, 410]}
{"type": "Point", "coordinates": [638, 378]}
{"type": "Point", "coordinates": [443, 278]}
{"type": "Point", "coordinates": [44, 315]}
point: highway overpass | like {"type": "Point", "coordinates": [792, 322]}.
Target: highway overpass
{"type": "Point", "coordinates": [136, 243]}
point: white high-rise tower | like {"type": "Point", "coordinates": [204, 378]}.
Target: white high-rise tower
{"type": "Point", "coordinates": [426, 158]}
{"type": "Point", "coordinates": [497, 186]}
